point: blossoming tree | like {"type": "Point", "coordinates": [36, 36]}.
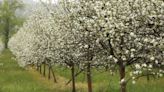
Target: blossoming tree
{"type": "Point", "coordinates": [130, 31]}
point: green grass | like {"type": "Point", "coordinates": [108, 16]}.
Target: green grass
{"type": "Point", "coordinates": [103, 81]}
{"type": "Point", "coordinates": [16, 79]}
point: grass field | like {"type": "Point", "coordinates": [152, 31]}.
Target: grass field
{"type": "Point", "coordinates": [103, 81]}
{"type": "Point", "coordinates": [16, 79]}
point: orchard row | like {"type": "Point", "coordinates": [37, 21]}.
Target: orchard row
{"type": "Point", "coordinates": [103, 34]}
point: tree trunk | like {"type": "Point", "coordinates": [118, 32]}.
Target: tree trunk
{"type": "Point", "coordinates": [40, 69]}
{"type": "Point", "coordinates": [76, 76]}
{"type": "Point", "coordinates": [49, 72]}
{"type": "Point", "coordinates": [148, 77]}
{"type": "Point", "coordinates": [122, 77]}
{"type": "Point", "coordinates": [89, 80]}
{"type": "Point", "coordinates": [37, 67]}
{"type": "Point", "coordinates": [6, 33]}
{"type": "Point", "coordinates": [53, 75]}
{"type": "Point", "coordinates": [73, 78]}
{"type": "Point", "coordinates": [44, 69]}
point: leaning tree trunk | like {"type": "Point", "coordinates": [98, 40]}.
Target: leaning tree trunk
{"type": "Point", "coordinates": [89, 80]}
{"type": "Point", "coordinates": [122, 77]}
{"type": "Point", "coordinates": [53, 74]}
{"type": "Point", "coordinates": [73, 78]}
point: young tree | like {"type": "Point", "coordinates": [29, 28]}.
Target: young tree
{"type": "Point", "coordinates": [9, 20]}
{"type": "Point", "coordinates": [80, 37]}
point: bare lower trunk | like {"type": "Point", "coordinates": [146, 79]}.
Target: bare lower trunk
{"type": "Point", "coordinates": [76, 76]}
{"type": "Point", "coordinates": [73, 78]}
{"type": "Point", "coordinates": [40, 69]}
{"type": "Point", "coordinates": [122, 77]}
{"type": "Point", "coordinates": [53, 75]}
{"type": "Point", "coordinates": [89, 80]}
{"type": "Point", "coordinates": [49, 72]}
{"type": "Point", "coordinates": [37, 67]}
{"type": "Point", "coordinates": [44, 69]}
{"type": "Point", "coordinates": [148, 77]}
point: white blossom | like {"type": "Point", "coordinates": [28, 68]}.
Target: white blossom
{"type": "Point", "coordinates": [152, 58]}
{"type": "Point", "coordinates": [137, 66]}
{"type": "Point", "coordinates": [133, 82]}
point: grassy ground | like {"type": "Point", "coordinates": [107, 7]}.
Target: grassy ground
{"type": "Point", "coordinates": [103, 81]}
{"type": "Point", "coordinates": [16, 79]}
